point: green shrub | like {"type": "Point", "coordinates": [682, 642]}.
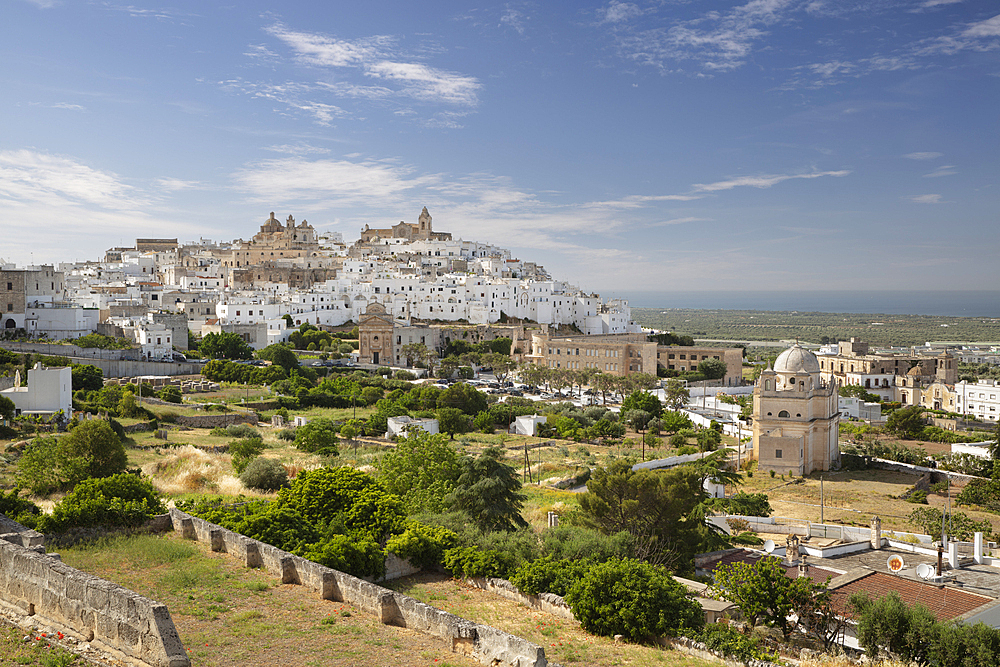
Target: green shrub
{"type": "Point", "coordinates": [118, 500]}
{"type": "Point", "coordinates": [170, 393]}
{"type": "Point", "coordinates": [317, 437]}
{"type": "Point", "coordinates": [918, 497]}
{"type": "Point", "coordinates": [347, 497]}
{"type": "Point", "coordinates": [244, 451]}
{"type": "Point", "coordinates": [732, 643]}
{"type": "Point", "coordinates": [264, 474]}
{"type": "Point", "coordinates": [687, 449]}
{"type": "Point", "coordinates": [243, 431]}
{"type": "Point", "coordinates": [286, 434]}
{"type": "Point", "coordinates": [422, 545]}
{"type": "Point", "coordinates": [549, 575]}
{"type": "Point", "coordinates": [21, 510]}
{"type": "Point", "coordinates": [635, 599]}
{"type": "Point", "coordinates": [362, 558]}
{"type": "Point", "coordinates": [473, 562]}
{"type": "Point", "coordinates": [92, 449]}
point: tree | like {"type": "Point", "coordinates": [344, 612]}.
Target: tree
{"type": "Point", "coordinates": [489, 491]}
{"type": "Point", "coordinates": [318, 436]}
{"type": "Point", "coordinates": [415, 353]}
{"type": "Point", "coordinates": [452, 421]}
{"type": "Point", "coordinates": [640, 400]}
{"type": "Point", "coordinates": [501, 364]}
{"type": "Point", "coordinates": [857, 391]}
{"type": "Point", "coordinates": [422, 470]}
{"type": "Point", "coordinates": [763, 592]}
{"type": "Point", "coordinates": [906, 422]}
{"type": "Point", "coordinates": [7, 408]}
{"type": "Point", "coordinates": [87, 377]}
{"type": "Point", "coordinates": [92, 449]}
{"type": "Point", "coordinates": [225, 345]}
{"type": "Point", "coordinates": [280, 355]}
{"type": "Point", "coordinates": [463, 396]}
{"type": "Point", "coordinates": [887, 625]}
{"type": "Point", "coordinates": [635, 599]}
{"type": "Point", "coordinates": [677, 394]}
{"type": "Point", "coordinates": [712, 369]}
{"type": "Point", "coordinates": [750, 504]}
{"type": "Point", "coordinates": [671, 421]}
{"type": "Point", "coordinates": [651, 506]}
{"type": "Point", "coordinates": [243, 451]}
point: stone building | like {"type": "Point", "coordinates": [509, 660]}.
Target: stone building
{"type": "Point", "coordinates": [422, 231]}
{"type": "Point", "coordinates": [796, 418]}
{"type": "Point", "coordinates": [33, 287]}
{"type": "Point", "coordinates": [615, 354]}
{"type": "Point", "coordinates": [683, 358]}
{"type": "Point", "coordinates": [891, 376]}
{"type": "Point", "coordinates": [375, 333]}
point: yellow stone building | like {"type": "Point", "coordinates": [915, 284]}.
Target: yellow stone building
{"type": "Point", "coordinates": [796, 419]}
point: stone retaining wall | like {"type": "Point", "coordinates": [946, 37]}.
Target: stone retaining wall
{"type": "Point", "coordinates": [482, 642]}
{"type": "Point", "coordinates": [213, 421]}
{"type": "Point", "coordinates": [547, 602]}
{"type": "Point", "coordinates": [130, 627]}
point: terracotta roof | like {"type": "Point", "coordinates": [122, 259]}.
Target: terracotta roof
{"type": "Point", "coordinates": [944, 602]}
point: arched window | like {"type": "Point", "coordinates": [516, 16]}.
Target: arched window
{"type": "Point", "coordinates": [767, 385]}
{"type": "Point", "coordinates": [783, 413]}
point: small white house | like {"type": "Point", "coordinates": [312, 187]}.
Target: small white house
{"type": "Point", "coordinates": [49, 390]}
{"type": "Point", "coordinates": [854, 408]}
{"type": "Point", "coordinates": [527, 424]}
{"type": "Point", "coordinates": [400, 426]}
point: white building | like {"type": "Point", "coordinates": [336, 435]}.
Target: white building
{"type": "Point", "coordinates": [979, 400]}
{"type": "Point", "coordinates": [399, 427]}
{"type": "Point", "coordinates": [49, 390]}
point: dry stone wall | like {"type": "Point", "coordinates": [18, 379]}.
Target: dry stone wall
{"type": "Point", "coordinates": [130, 627]}
{"type": "Point", "coordinates": [482, 642]}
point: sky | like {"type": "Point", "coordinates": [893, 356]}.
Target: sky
{"type": "Point", "coordinates": [664, 146]}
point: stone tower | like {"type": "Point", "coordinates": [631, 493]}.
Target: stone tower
{"type": "Point", "coordinates": [424, 227]}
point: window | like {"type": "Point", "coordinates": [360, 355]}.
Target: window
{"type": "Point", "coordinates": [783, 413]}
{"type": "Point", "coordinates": [10, 286]}
{"type": "Point", "coordinates": [777, 453]}
{"type": "Point", "coordinates": [10, 307]}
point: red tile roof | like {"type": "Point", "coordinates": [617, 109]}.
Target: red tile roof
{"type": "Point", "coordinates": [944, 602]}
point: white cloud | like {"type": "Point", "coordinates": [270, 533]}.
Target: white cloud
{"type": "Point", "coordinates": [176, 185]}
{"type": "Point", "coordinates": [30, 178]}
{"type": "Point", "coordinates": [299, 149]}
{"type": "Point", "coordinates": [927, 155]}
{"type": "Point", "coordinates": [616, 12]}
{"type": "Point", "coordinates": [638, 201]}
{"type": "Point", "coordinates": [925, 199]}
{"type": "Point", "coordinates": [513, 19]}
{"type": "Point", "coordinates": [763, 181]}
{"type": "Point", "coordinates": [937, 3]}
{"type": "Point", "coordinates": [328, 182]}
{"type": "Point", "coordinates": [68, 106]}
{"type": "Point", "coordinates": [943, 170]}
{"type": "Point", "coordinates": [680, 221]}
{"type": "Point", "coordinates": [42, 4]}
{"type": "Point", "coordinates": [717, 41]}
{"type": "Point", "coordinates": [377, 58]}
{"type": "Point", "coordinates": [979, 36]}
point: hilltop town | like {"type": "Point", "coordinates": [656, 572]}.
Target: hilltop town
{"type": "Point", "coordinates": [423, 430]}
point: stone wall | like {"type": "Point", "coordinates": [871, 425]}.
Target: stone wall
{"type": "Point", "coordinates": [550, 603]}
{"type": "Point", "coordinates": [220, 421]}
{"type": "Point", "coordinates": [482, 642]}
{"type": "Point", "coordinates": [130, 627]}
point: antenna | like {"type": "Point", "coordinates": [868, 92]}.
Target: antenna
{"type": "Point", "coordinates": [925, 571]}
{"type": "Point", "coordinates": [895, 563]}
{"type": "Point", "coordinates": [769, 546]}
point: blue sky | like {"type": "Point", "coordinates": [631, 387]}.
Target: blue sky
{"type": "Point", "coordinates": [774, 144]}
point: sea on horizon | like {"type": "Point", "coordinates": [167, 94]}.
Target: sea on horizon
{"type": "Point", "coordinates": [945, 303]}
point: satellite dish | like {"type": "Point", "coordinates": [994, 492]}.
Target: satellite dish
{"type": "Point", "coordinates": [769, 546]}
{"type": "Point", "coordinates": [894, 563]}
{"type": "Point", "coordinates": [925, 571]}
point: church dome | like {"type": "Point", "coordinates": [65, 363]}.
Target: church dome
{"type": "Point", "coordinates": [796, 359]}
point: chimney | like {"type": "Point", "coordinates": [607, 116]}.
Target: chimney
{"type": "Point", "coordinates": [803, 565]}
{"type": "Point", "coordinates": [876, 533]}
{"type": "Point", "coordinates": [792, 550]}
